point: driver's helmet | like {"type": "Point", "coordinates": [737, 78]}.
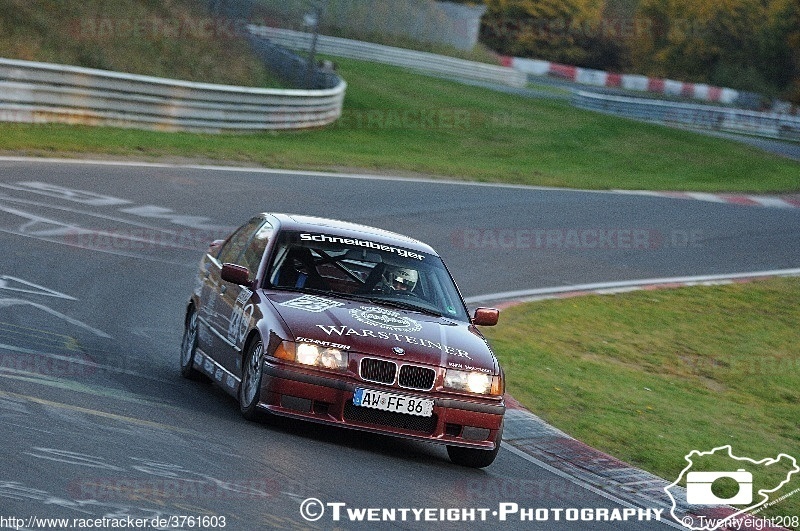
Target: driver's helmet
{"type": "Point", "coordinates": [401, 278]}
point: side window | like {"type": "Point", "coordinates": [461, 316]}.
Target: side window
{"type": "Point", "coordinates": [251, 258]}
{"type": "Point", "coordinates": [233, 248]}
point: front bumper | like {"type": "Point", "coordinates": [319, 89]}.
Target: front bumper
{"type": "Point", "coordinates": [457, 422]}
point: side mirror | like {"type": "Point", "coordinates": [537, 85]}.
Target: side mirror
{"type": "Point", "coordinates": [235, 274]}
{"type": "Point", "coordinates": [486, 317]}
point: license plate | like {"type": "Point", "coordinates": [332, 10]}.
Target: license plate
{"type": "Point", "coordinates": [422, 407]}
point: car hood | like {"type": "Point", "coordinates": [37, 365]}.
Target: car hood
{"type": "Point", "coordinates": [384, 331]}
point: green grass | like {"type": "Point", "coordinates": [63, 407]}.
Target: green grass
{"type": "Point", "coordinates": [165, 38]}
{"type": "Point", "coordinates": [649, 376]}
{"type": "Point", "coordinates": [400, 122]}
{"type": "Point", "coordinates": [480, 53]}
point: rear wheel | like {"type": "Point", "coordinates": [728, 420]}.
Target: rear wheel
{"type": "Point", "coordinates": [250, 388]}
{"type": "Point", "coordinates": [473, 457]}
{"type": "Point", "coordinates": [189, 348]}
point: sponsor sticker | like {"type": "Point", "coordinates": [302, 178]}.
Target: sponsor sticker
{"type": "Point", "coordinates": [386, 319]}
{"type": "Point", "coordinates": [324, 238]}
{"type": "Point", "coordinates": [467, 367]}
{"type": "Point", "coordinates": [311, 303]}
{"type": "Point", "coordinates": [326, 344]}
{"type": "Point", "coordinates": [244, 296]}
{"type": "Point", "coordinates": [346, 332]}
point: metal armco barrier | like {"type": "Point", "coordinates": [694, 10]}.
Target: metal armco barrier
{"type": "Point", "coordinates": [764, 124]}
{"type": "Point", "coordinates": [428, 63]}
{"type": "Point", "coordinates": [34, 92]}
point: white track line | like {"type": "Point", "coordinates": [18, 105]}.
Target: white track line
{"type": "Point", "coordinates": [273, 171]}
{"type": "Point", "coordinates": [767, 201]}
{"type": "Point", "coordinates": [521, 294]}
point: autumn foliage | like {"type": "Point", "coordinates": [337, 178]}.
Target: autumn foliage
{"type": "Point", "coordinates": [750, 45]}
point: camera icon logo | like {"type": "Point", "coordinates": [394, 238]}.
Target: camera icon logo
{"type": "Point", "coordinates": [698, 488]}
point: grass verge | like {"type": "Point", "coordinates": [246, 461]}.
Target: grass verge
{"type": "Point", "coordinates": [396, 121]}
{"type": "Point", "coordinates": [164, 38]}
{"type": "Point", "coordinates": [649, 376]}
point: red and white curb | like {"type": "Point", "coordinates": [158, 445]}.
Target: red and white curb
{"type": "Point", "coordinates": [782, 201]}
{"type": "Point", "coordinates": [507, 299]}
{"type": "Point", "coordinates": [599, 78]}
{"type": "Point", "coordinates": [532, 439]}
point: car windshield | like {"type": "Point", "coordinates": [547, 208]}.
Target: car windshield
{"type": "Point", "coordinates": [361, 269]}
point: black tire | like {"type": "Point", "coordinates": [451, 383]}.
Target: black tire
{"type": "Point", "coordinates": [189, 348]}
{"type": "Point", "coordinates": [473, 457]}
{"type": "Point", "coordinates": [250, 388]}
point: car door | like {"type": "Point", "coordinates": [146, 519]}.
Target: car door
{"type": "Point", "coordinates": [237, 309]}
{"type": "Point", "coordinates": [216, 314]}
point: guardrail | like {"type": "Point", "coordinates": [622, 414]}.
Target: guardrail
{"type": "Point", "coordinates": [35, 92]}
{"type": "Point", "coordinates": [765, 124]}
{"type": "Point", "coordinates": [425, 62]}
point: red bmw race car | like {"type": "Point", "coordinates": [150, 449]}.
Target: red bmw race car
{"type": "Point", "coordinates": [347, 325]}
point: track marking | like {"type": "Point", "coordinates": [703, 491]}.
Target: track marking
{"type": "Point", "coordinates": [523, 295]}
{"type": "Point", "coordinates": [93, 199]}
{"type": "Point", "coordinates": [67, 229]}
{"type": "Point", "coordinates": [98, 413]}
{"type": "Point", "coordinates": [65, 340]}
{"type": "Point", "coordinates": [5, 303]}
{"type": "Point", "coordinates": [272, 171]}
{"type": "Point", "coordinates": [51, 230]}
{"type": "Point", "coordinates": [105, 251]}
{"type": "Point", "coordinates": [5, 281]}
{"type": "Point", "coordinates": [81, 212]}
{"type": "Point", "coordinates": [59, 192]}
{"type": "Point", "coordinates": [78, 387]}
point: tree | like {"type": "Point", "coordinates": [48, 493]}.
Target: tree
{"type": "Point", "coordinates": [745, 44]}
{"type": "Point", "coordinates": [547, 29]}
{"type": "Point", "coordinates": [751, 45]}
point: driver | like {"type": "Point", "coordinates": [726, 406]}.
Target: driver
{"type": "Point", "coordinates": [400, 278]}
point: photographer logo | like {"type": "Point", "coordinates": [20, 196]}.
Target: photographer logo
{"type": "Point", "coordinates": [743, 485]}
{"type": "Point", "coordinates": [699, 488]}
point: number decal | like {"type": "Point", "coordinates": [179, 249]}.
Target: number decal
{"type": "Point", "coordinates": [240, 318]}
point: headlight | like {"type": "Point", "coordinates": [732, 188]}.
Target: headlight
{"type": "Point", "coordinates": [475, 382]}
{"type": "Point", "coordinates": [307, 354]}
{"type": "Point", "coordinates": [313, 355]}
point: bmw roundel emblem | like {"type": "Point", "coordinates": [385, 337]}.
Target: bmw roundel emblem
{"type": "Point", "coordinates": [399, 351]}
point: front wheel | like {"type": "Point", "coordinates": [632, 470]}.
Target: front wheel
{"type": "Point", "coordinates": [250, 388]}
{"type": "Point", "coordinates": [473, 457]}
{"type": "Point", "coordinates": [189, 348]}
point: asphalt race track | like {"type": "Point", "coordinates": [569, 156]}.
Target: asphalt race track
{"type": "Point", "coordinates": [98, 262]}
